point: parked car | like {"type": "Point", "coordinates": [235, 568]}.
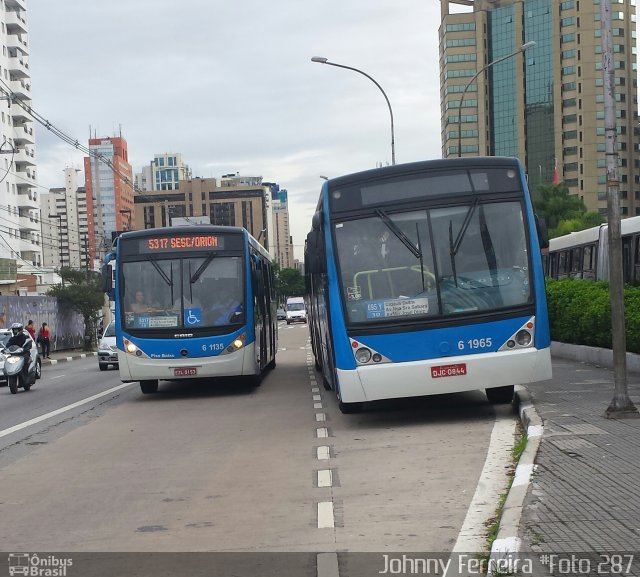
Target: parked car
{"type": "Point", "coordinates": [107, 350]}
{"type": "Point", "coordinates": [5, 335]}
{"type": "Point", "coordinates": [281, 313]}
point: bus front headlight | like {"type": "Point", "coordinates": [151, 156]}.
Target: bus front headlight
{"type": "Point", "coordinates": [363, 355]}
{"type": "Point", "coordinates": [130, 347]}
{"type": "Point", "coordinates": [523, 338]}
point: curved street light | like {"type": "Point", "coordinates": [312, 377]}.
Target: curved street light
{"type": "Point", "coordinates": [522, 48]}
{"type": "Point", "coordinates": [322, 60]}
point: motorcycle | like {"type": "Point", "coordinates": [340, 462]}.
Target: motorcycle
{"type": "Point", "coordinates": [14, 370]}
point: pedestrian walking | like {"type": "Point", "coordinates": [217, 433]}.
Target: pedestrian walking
{"type": "Point", "coordinates": [44, 340]}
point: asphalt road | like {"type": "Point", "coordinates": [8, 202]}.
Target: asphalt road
{"type": "Point", "coordinates": [218, 466]}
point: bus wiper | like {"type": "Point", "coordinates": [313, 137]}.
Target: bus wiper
{"type": "Point", "coordinates": [398, 233]}
{"type": "Point", "coordinates": [421, 259]}
{"type": "Point", "coordinates": [452, 254]}
{"type": "Point", "coordinates": [465, 225]}
{"type": "Point", "coordinates": [164, 276]}
{"type": "Point", "coordinates": [202, 267]}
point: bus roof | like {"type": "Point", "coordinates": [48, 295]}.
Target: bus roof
{"type": "Point", "coordinates": [590, 235]}
{"type": "Point", "coordinates": [439, 163]}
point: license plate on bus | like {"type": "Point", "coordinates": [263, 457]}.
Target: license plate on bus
{"type": "Point", "coordinates": [185, 372]}
{"type": "Point", "coordinates": [457, 370]}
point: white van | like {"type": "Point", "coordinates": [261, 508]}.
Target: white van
{"type": "Point", "coordinates": [296, 311]}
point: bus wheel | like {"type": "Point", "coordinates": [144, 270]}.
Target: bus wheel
{"type": "Point", "coordinates": [149, 387]}
{"type": "Point", "coordinates": [350, 408]}
{"type": "Point", "coordinates": [500, 395]}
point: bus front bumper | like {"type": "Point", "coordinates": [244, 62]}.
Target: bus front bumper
{"type": "Point", "coordinates": [413, 379]}
{"type": "Point", "coordinates": [239, 363]}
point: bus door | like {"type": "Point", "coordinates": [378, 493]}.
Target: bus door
{"type": "Point", "coordinates": [257, 282]}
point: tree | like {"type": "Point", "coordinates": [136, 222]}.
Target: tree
{"type": "Point", "coordinates": [82, 293]}
{"type": "Point", "coordinates": [289, 283]}
{"type": "Point", "coordinates": [562, 211]}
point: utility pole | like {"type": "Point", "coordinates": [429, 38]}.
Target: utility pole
{"type": "Point", "coordinates": [621, 405]}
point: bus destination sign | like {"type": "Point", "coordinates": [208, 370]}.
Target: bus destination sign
{"type": "Point", "coordinates": [181, 243]}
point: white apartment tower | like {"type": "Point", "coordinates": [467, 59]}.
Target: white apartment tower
{"type": "Point", "coordinates": [167, 170]}
{"type": "Point", "coordinates": [65, 224]}
{"type": "Point", "coordinates": [19, 207]}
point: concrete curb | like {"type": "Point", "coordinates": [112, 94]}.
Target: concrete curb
{"type": "Point", "coordinates": [507, 541]}
{"type": "Point", "coordinates": [592, 355]}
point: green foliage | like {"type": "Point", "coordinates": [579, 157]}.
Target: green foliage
{"type": "Point", "coordinates": [563, 212]}
{"type": "Point", "coordinates": [82, 292]}
{"type": "Point", "coordinates": [289, 283]}
{"type": "Point", "coordinates": [580, 313]}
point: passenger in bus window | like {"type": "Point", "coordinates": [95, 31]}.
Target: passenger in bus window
{"type": "Point", "coordinates": [139, 305]}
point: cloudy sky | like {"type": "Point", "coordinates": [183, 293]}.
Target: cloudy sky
{"type": "Point", "coordinates": [231, 86]}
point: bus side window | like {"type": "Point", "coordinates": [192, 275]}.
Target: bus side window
{"type": "Point", "coordinates": [589, 262]}
{"type": "Point", "coordinates": [636, 259]}
{"type": "Point", "coordinates": [626, 259]}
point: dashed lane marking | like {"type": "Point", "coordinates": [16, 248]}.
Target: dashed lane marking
{"type": "Point", "coordinates": [325, 515]}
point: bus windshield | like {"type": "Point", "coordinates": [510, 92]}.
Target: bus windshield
{"type": "Point", "coordinates": [188, 292]}
{"type": "Point", "coordinates": [434, 262]}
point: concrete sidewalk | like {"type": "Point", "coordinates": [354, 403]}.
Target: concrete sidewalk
{"type": "Point", "coordinates": [67, 356]}
{"type": "Point", "coordinates": [585, 491]}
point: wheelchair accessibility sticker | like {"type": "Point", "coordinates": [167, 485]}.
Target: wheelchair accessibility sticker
{"type": "Point", "coordinates": [192, 317]}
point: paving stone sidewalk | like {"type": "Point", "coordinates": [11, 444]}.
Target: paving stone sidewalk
{"type": "Point", "coordinates": [585, 491]}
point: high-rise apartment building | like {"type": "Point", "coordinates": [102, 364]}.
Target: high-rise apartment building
{"type": "Point", "coordinates": [544, 105]}
{"type": "Point", "coordinates": [109, 188]}
{"type": "Point", "coordinates": [281, 243]}
{"type": "Point", "coordinates": [65, 230]}
{"type": "Point", "coordinates": [19, 207]}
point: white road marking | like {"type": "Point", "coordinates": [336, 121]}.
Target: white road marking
{"type": "Point", "coordinates": [46, 416]}
{"type": "Point", "coordinates": [57, 377]}
{"type": "Point", "coordinates": [315, 390]}
{"type": "Point", "coordinates": [324, 478]}
{"type": "Point", "coordinates": [318, 406]}
{"type": "Point", "coordinates": [321, 417]}
{"type": "Point", "coordinates": [327, 565]}
{"type": "Point", "coordinates": [323, 453]}
{"type": "Point", "coordinates": [322, 432]}
{"type": "Point", "coordinates": [325, 515]}
{"type": "Point", "coordinates": [491, 483]}
{"type": "Point", "coordinates": [317, 398]}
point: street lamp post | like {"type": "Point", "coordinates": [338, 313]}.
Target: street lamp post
{"type": "Point", "coordinates": [522, 48]}
{"type": "Point", "coordinates": [322, 60]}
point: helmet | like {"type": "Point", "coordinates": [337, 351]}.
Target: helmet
{"type": "Point", "coordinates": [16, 328]}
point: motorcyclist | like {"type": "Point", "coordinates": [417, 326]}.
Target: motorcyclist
{"type": "Point", "coordinates": [22, 339]}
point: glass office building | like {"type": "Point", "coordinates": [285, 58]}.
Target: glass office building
{"type": "Point", "coordinates": [544, 105]}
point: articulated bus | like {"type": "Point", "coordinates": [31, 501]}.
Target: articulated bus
{"type": "Point", "coordinates": [585, 254]}
{"type": "Point", "coordinates": [192, 302]}
{"type": "Point", "coordinates": [426, 278]}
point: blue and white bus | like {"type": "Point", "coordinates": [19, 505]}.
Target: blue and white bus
{"type": "Point", "coordinates": [426, 278]}
{"type": "Point", "coordinates": [192, 302]}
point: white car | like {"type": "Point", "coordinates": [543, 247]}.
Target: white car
{"type": "Point", "coordinates": [5, 335]}
{"type": "Point", "coordinates": [107, 350]}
